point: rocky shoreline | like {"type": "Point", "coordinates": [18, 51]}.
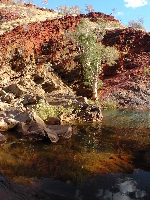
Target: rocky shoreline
{"type": "Point", "coordinates": [20, 96]}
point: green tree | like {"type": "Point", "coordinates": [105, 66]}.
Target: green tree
{"type": "Point", "coordinates": [88, 38]}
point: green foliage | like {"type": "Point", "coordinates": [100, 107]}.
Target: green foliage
{"type": "Point", "coordinates": [108, 105]}
{"type": "Point", "coordinates": [45, 110]}
{"type": "Point", "coordinates": [92, 52]}
{"type": "Point", "coordinates": [88, 38]}
{"type": "Point", "coordinates": [100, 84]}
{"type": "Point", "coordinates": [109, 55]}
{"type": "Point", "coordinates": [146, 71]}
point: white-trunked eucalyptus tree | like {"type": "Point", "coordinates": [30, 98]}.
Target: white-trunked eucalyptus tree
{"type": "Point", "coordinates": [88, 37]}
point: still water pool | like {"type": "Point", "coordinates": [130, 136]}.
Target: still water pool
{"type": "Point", "coordinates": [107, 161]}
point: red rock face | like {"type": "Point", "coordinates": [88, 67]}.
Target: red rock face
{"type": "Point", "coordinates": [127, 83]}
{"type": "Point", "coordinates": [133, 45]}
{"type": "Point", "coordinates": [41, 42]}
{"type": "Point", "coordinates": [32, 39]}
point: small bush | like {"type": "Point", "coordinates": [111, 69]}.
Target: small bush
{"type": "Point", "coordinates": [146, 71]}
{"type": "Point", "coordinates": [89, 8]}
{"type": "Point", "coordinates": [108, 105]}
{"type": "Point", "coordinates": [65, 10]}
{"type": "Point", "coordinates": [136, 24]}
{"type": "Point", "coordinates": [45, 110]}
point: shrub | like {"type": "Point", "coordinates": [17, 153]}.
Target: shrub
{"type": "Point", "coordinates": [89, 8]}
{"type": "Point", "coordinates": [136, 24]}
{"type": "Point", "coordinates": [65, 10]}
{"type": "Point", "coordinates": [146, 71]}
{"type": "Point", "coordinates": [45, 110]}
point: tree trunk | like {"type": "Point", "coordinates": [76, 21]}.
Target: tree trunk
{"type": "Point", "coordinates": [94, 87]}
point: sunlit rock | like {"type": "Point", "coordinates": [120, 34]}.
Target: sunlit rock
{"type": "Point", "coordinates": [3, 125]}
{"type": "Point", "coordinates": [2, 138]}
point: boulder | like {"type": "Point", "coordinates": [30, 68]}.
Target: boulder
{"type": "Point", "coordinates": [28, 99]}
{"type": "Point", "coordinates": [11, 123]}
{"type": "Point", "coordinates": [3, 106]}
{"type": "Point", "coordinates": [15, 116]}
{"type": "Point", "coordinates": [52, 121]}
{"type": "Point", "coordinates": [14, 89]}
{"type": "Point", "coordinates": [49, 86]}
{"type": "Point", "coordinates": [88, 112]}
{"type": "Point", "coordinates": [7, 123]}
{"type": "Point", "coordinates": [3, 125]}
{"type": "Point", "coordinates": [2, 138]}
{"type": "Point", "coordinates": [7, 97]}
{"type": "Point", "coordinates": [22, 127]}
{"type": "Point", "coordinates": [32, 131]}
{"type": "Point", "coordinates": [31, 124]}
{"type": "Point", "coordinates": [63, 131]}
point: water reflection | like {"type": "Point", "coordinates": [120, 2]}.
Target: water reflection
{"type": "Point", "coordinates": [119, 144]}
{"type": "Point", "coordinates": [103, 187]}
{"type": "Point", "coordinates": [127, 118]}
{"type": "Point", "coordinates": [123, 190]}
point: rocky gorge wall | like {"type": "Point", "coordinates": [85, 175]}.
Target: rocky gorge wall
{"type": "Point", "coordinates": [133, 45]}
{"type": "Point", "coordinates": [32, 38]}
{"type": "Point", "coordinates": [127, 84]}
{"type": "Point", "coordinates": [25, 81]}
{"type": "Point", "coordinates": [43, 42]}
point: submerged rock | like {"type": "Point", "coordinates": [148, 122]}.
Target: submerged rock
{"type": "Point", "coordinates": [9, 190]}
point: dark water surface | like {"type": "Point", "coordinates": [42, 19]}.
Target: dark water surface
{"type": "Point", "coordinates": [106, 161]}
